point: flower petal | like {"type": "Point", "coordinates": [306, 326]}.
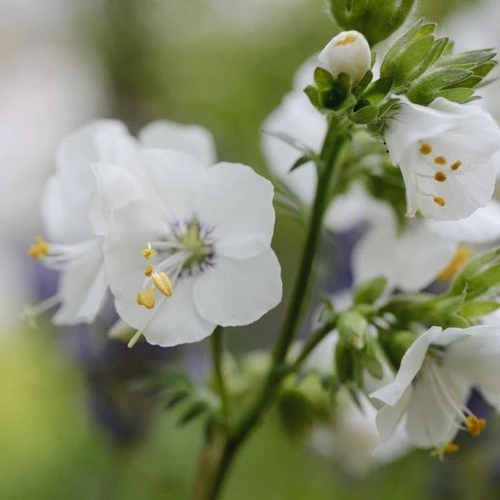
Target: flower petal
{"type": "Point", "coordinates": [237, 204]}
{"type": "Point", "coordinates": [116, 185]}
{"type": "Point", "coordinates": [192, 139]}
{"type": "Point", "coordinates": [483, 226]}
{"type": "Point", "coordinates": [103, 140]}
{"type": "Point", "coordinates": [239, 291]}
{"type": "Point", "coordinates": [389, 417]}
{"type": "Point", "coordinates": [65, 218]}
{"type": "Point", "coordinates": [175, 319]}
{"type": "Point", "coordinates": [172, 179]}
{"type": "Point", "coordinates": [475, 357]}
{"type": "Point", "coordinates": [132, 227]}
{"type": "Point", "coordinates": [82, 289]}
{"type": "Point", "coordinates": [410, 366]}
{"type": "Point", "coordinates": [456, 198]}
{"type": "Point", "coordinates": [431, 420]}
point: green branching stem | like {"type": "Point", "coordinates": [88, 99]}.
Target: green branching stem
{"type": "Point", "coordinates": [329, 172]}
{"type": "Point", "coordinates": [217, 348]}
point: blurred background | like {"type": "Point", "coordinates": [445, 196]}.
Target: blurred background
{"type": "Point", "coordinates": [71, 424]}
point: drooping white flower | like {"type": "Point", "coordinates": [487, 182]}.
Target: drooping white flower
{"type": "Point", "coordinates": [193, 251]}
{"type": "Point", "coordinates": [412, 258]}
{"type": "Point", "coordinates": [445, 154]}
{"type": "Point", "coordinates": [75, 218]}
{"type": "Point", "coordinates": [433, 384]}
{"type": "Point", "coordinates": [348, 52]}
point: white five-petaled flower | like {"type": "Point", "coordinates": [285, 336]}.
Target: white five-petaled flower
{"type": "Point", "coordinates": [445, 153]}
{"type": "Point", "coordinates": [348, 52]}
{"type": "Point", "coordinates": [434, 381]}
{"type": "Point", "coordinates": [75, 218]}
{"type": "Point", "coordinates": [193, 250]}
{"type": "Point", "coordinates": [412, 258]}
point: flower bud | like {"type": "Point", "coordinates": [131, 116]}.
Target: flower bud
{"type": "Point", "coordinates": [349, 53]}
{"type": "Point", "coordinates": [377, 19]}
{"type": "Point", "coordinates": [353, 329]}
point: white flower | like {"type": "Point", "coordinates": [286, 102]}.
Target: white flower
{"type": "Point", "coordinates": [194, 250]}
{"type": "Point", "coordinates": [348, 52]}
{"type": "Point", "coordinates": [435, 379]}
{"type": "Point", "coordinates": [445, 153]}
{"type": "Point", "coordinates": [75, 218]}
{"type": "Point", "coordinates": [413, 258]}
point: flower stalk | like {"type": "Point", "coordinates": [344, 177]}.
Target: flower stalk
{"type": "Point", "coordinates": [328, 175]}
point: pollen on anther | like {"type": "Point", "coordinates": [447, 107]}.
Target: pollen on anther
{"type": "Point", "coordinates": [346, 40]}
{"type": "Point", "coordinates": [445, 450]}
{"type": "Point", "coordinates": [148, 253]}
{"type": "Point", "coordinates": [426, 148]}
{"type": "Point", "coordinates": [440, 201]}
{"type": "Point", "coordinates": [163, 284]}
{"type": "Point", "coordinates": [456, 165]}
{"type": "Point", "coordinates": [39, 249]}
{"type": "Point", "coordinates": [440, 176]}
{"type": "Point", "coordinates": [149, 271]}
{"type": "Point", "coordinates": [475, 425]}
{"type": "Point", "coordinates": [440, 160]}
{"type": "Point", "coordinates": [146, 298]}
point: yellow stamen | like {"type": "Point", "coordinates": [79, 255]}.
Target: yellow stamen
{"type": "Point", "coordinates": [440, 176]}
{"type": "Point", "coordinates": [163, 283]}
{"type": "Point", "coordinates": [148, 252]}
{"type": "Point", "coordinates": [445, 450]}
{"type": "Point", "coordinates": [461, 257]}
{"type": "Point", "coordinates": [149, 271]}
{"type": "Point", "coordinates": [426, 148]}
{"type": "Point", "coordinates": [146, 298]}
{"type": "Point", "coordinates": [475, 425]}
{"type": "Point", "coordinates": [440, 160]}
{"type": "Point", "coordinates": [346, 40]}
{"type": "Point", "coordinates": [39, 249]}
{"type": "Point", "coordinates": [456, 165]}
{"type": "Point", "coordinates": [440, 201]}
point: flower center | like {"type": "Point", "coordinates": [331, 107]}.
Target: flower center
{"type": "Point", "coordinates": [187, 251]}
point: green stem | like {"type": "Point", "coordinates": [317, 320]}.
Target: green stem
{"type": "Point", "coordinates": [328, 174]}
{"type": "Point", "coordinates": [217, 347]}
{"type": "Point", "coordinates": [312, 342]}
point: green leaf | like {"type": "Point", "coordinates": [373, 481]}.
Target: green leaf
{"type": "Point", "coordinates": [478, 309]}
{"type": "Point", "coordinates": [379, 90]}
{"type": "Point", "coordinates": [176, 396]}
{"type": "Point", "coordinates": [364, 115]}
{"type": "Point", "coordinates": [197, 409]}
{"type": "Point", "coordinates": [299, 162]}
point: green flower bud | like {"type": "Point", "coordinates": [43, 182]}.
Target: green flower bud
{"type": "Point", "coordinates": [353, 329]}
{"type": "Point", "coordinates": [376, 19]}
{"type": "Point", "coordinates": [370, 291]}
